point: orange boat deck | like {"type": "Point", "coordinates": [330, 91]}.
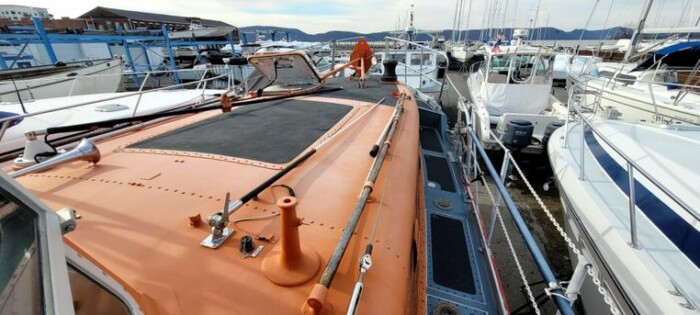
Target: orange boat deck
{"type": "Point", "coordinates": [135, 204]}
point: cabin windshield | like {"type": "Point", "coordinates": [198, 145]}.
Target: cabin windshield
{"type": "Point", "coordinates": [399, 57]}
{"type": "Point", "coordinates": [20, 277]}
{"type": "Point", "coordinates": [421, 59]}
{"type": "Point", "coordinates": [519, 69]}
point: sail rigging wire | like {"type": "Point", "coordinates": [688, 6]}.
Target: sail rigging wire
{"type": "Point", "coordinates": [578, 43]}
{"type": "Point", "coordinates": [605, 24]}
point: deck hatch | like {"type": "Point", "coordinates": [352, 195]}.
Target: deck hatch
{"type": "Point", "coordinates": [271, 132]}
{"type": "Point", "coordinates": [429, 140]}
{"type": "Point", "coordinates": [450, 256]}
{"type": "Point", "coordinates": [439, 172]}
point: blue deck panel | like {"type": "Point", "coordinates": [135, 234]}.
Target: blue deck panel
{"type": "Point", "coordinates": [482, 300]}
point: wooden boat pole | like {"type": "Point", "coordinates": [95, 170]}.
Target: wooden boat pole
{"type": "Point", "coordinates": [327, 277]}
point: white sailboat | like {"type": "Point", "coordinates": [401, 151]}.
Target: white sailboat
{"type": "Point", "coordinates": [513, 86]}
{"type": "Point", "coordinates": [631, 207]}
{"type": "Point", "coordinates": [102, 76]}
{"type": "Point", "coordinates": [650, 90]}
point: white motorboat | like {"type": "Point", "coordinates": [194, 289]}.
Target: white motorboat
{"type": "Point", "coordinates": [631, 208]}
{"type": "Point", "coordinates": [461, 53]}
{"type": "Point", "coordinates": [73, 110]}
{"type": "Point", "coordinates": [513, 87]}
{"type": "Point", "coordinates": [90, 77]}
{"type": "Point", "coordinates": [421, 67]}
{"type": "Point", "coordinates": [650, 90]}
{"type": "Point", "coordinates": [196, 30]}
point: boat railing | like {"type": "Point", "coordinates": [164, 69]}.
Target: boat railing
{"type": "Point", "coordinates": [420, 73]}
{"type": "Point", "coordinates": [421, 49]}
{"type": "Point", "coordinates": [138, 80]}
{"type": "Point", "coordinates": [576, 96]}
{"type": "Point", "coordinates": [476, 156]}
{"type": "Point", "coordinates": [200, 84]}
{"type": "Point", "coordinates": [649, 88]}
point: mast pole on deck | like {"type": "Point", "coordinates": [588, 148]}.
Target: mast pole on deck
{"type": "Point", "coordinates": [638, 32]}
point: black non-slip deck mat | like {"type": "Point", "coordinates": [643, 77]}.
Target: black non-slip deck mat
{"type": "Point", "coordinates": [439, 172]}
{"type": "Point", "coordinates": [272, 132]}
{"type": "Point", "coordinates": [371, 93]}
{"type": "Point", "coordinates": [450, 260]}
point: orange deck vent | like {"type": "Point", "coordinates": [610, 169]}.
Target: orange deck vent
{"type": "Point", "coordinates": [290, 263]}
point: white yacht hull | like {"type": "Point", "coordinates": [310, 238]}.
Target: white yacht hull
{"type": "Point", "coordinates": [218, 31]}
{"type": "Point", "coordinates": [597, 215]}
{"type": "Point", "coordinates": [149, 103]}
{"type": "Point", "coordinates": [103, 77]}
{"type": "Point", "coordinates": [462, 55]}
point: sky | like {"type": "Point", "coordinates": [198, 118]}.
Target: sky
{"type": "Point", "coordinates": [366, 16]}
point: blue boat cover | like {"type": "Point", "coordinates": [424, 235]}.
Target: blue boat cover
{"type": "Point", "coordinates": [679, 56]}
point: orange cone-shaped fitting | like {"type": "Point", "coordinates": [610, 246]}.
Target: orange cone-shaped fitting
{"type": "Point", "coordinates": [290, 263]}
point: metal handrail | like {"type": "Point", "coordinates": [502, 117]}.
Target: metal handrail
{"type": "Point", "coordinates": [631, 165]}
{"type": "Point", "coordinates": [557, 296]}
{"type": "Point", "coordinates": [475, 150]}
{"type": "Point", "coordinates": [585, 78]}
{"type": "Point", "coordinates": [419, 72]}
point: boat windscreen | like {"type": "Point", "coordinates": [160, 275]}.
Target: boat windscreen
{"type": "Point", "coordinates": [271, 132]}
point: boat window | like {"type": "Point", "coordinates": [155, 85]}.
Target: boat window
{"type": "Point", "coordinates": [401, 58]}
{"type": "Point", "coordinates": [519, 69]}
{"type": "Point", "coordinates": [20, 278]}
{"type": "Point", "coordinates": [421, 59]}
{"type": "Point", "coordinates": [89, 297]}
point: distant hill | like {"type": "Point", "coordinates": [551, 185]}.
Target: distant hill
{"type": "Point", "coordinates": [545, 33]}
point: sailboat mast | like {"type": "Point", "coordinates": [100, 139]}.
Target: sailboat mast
{"type": "Point", "coordinates": [454, 21]}
{"type": "Point", "coordinates": [638, 32]}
